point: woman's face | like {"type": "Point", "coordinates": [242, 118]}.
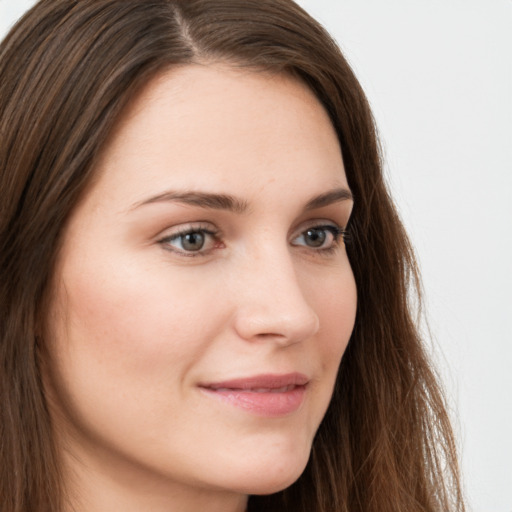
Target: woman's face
{"type": "Point", "coordinates": [203, 297]}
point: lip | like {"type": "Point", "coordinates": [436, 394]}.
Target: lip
{"type": "Point", "coordinates": [269, 395]}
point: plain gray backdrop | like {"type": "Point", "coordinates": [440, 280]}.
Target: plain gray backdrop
{"type": "Point", "coordinates": [438, 75]}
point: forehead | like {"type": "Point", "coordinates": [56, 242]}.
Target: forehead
{"type": "Point", "coordinates": [229, 126]}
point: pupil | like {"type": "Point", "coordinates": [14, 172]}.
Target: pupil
{"type": "Point", "coordinates": [315, 237]}
{"type": "Point", "coordinates": [193, 241]}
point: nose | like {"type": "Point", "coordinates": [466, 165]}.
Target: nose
{"type": "Point", "coordinates": [271, 303]}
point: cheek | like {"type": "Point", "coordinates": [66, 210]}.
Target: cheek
{"type": "Point", "coordinates": [128, 332]}
{"type": "Point", "coordinates": [135, 312]}
{"type": "Point", "coordinates": [336, 306]}
{"type": "Point", "coordinates": [124, 341]}
{"type": "Point", "coordinates": [338, 311]}
{"type": "Point", "coordinates": [335, 303]}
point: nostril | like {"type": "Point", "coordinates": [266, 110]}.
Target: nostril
{"type": "Point", "coordinates": [275, 337]}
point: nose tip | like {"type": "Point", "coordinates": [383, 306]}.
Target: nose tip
{"type": "Point", "coordinates": [279, 313]}
{"type": "Point", "coordinates": [283, 329]}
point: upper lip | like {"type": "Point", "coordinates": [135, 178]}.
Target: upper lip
{"type": "Point", "coordinates": [266, 381]}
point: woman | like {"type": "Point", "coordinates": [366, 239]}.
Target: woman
{"type": "Point", "coordinates": [191, 194]}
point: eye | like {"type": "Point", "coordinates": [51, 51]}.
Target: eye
{"type": "Point", "coordinates": [323, 237]}
{"type": "Point", "coordinates": [192, 241]}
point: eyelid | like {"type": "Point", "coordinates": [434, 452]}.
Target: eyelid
{"type": "Point", "coordinates": [185, 229]}
{"type": "Point", "coordinates": [337, 232]}
{"type": "Point", "coordinates": [317, 223]}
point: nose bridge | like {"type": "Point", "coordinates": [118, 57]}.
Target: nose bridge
{"type": "Point", "coordinates": [271, 301]}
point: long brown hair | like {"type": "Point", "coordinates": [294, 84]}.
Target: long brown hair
{"type": "Point", "coordinates": [67, 71]}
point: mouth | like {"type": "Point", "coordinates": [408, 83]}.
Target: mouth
{"type": "Point", "coordinates": [283, 389]}
{"type": "Point", "coordinates": [264, 395]}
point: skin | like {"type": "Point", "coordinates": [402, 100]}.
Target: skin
{"type": "Point", "coordinates": [138, 322]}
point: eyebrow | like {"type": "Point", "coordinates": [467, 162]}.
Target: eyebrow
{"type": "Point", "coordinates": [228, 202]}
{"type": "Point", "coordinates": [202, 199]}
{"type": "Point", "coordinates": [333, 196]}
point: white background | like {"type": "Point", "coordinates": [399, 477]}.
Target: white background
{"type": "Point", "coordinates": [439, 77]}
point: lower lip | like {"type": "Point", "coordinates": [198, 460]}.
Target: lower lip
{"type": "Point", "coordinates": [266, 404]}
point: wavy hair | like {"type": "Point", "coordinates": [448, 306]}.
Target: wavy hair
{"type": "Point", "coordinates": [68, 69]}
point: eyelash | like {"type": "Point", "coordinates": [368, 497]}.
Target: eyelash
{"type": "Point", "coordinates": [166, 241]}
{"type": "Point", "coordinates": [339, 235]}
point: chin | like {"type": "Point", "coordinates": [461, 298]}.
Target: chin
{"type": "Point", "coordinates": [273, 476]}
{"type": "Point", "coordinates": [272, 487]}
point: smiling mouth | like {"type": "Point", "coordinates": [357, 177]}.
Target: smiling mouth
{"type": "Point", "coordinates": [262, 395]}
